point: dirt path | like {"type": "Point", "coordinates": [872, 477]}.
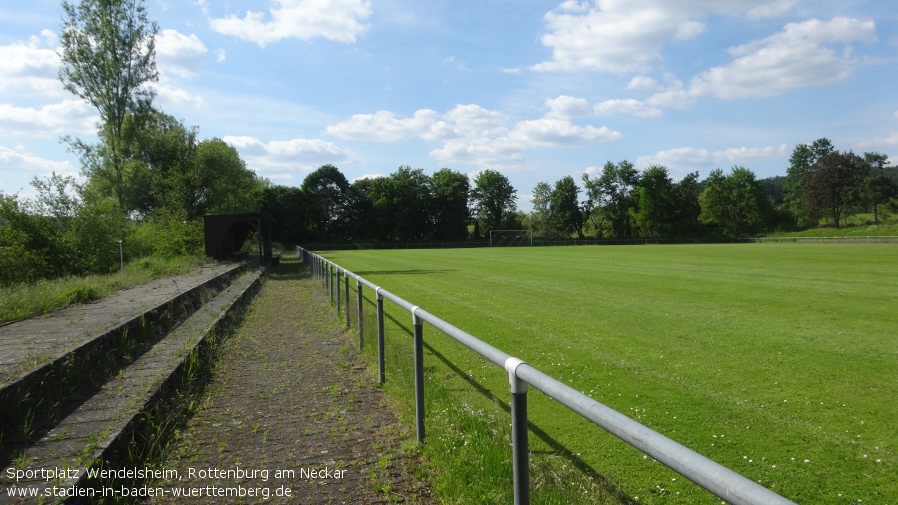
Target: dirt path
{"type": "Point", "coordinates": [291, 394]}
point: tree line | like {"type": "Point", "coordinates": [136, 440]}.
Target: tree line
{"type": "Point", "coordinates": [821, 184]}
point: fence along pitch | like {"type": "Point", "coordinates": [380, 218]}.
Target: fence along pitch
{"type": "Point", "coordinates": [710, 475]}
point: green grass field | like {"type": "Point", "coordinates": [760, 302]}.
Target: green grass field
{"type": "Point", "coordinates": [776, 360]}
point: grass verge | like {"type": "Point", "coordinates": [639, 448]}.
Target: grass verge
{"type": "Point", "coordinates": [27, 300]}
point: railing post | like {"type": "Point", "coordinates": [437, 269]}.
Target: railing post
{"type": "Point", "coordinates": [380, 336]}
{"type": "Point", "coordinates": [419, 374]}
{"type": "Point", "coordinates": [358, 286]}
{"type": "Point", "coordinates": [337, 272]}
{"type": "Point", "coordinates": [520, 452]}
{"type": "Point", "coordinates": [330, 279]}
{"type": "Point", "coordinates": [346, 291]}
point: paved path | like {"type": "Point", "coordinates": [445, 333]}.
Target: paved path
{"type": "Point", "coordinates": [292, 395]}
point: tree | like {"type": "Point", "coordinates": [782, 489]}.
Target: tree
{"type": "Point", "coordinates": [108, 58]}
{"type": "Point", "coordinates": [801, 164]}
{"type": "Point", "coordinates": [449, 191]}
{"type": "Point", "coordinates": [286, 205]}
{"type": "Point", "coordinates": [612, 194]}
{"type": "Point", "coordinates": [220, 182]}
{"type": "Point", "coordinates": [736, 202]}
{"type": "Point", "coordinates": [325, 190]}
{"type": "Point", "coordinates": [541, 217]}
{"type": "Point", "coordinates": [877, 190]}
{"type": "Point", "coordinates": [360, 215]}
{"type": "Point", "coordinates": [565, 209]}
{"type": "Point", "coordinates": [878, 187]}
{"type": "Point", "coordinates": [686, 206]}
{"type": "Point", "coordinates": [833, 184]}
{"type": "Point", "coordinates": [402, 200]}
{"type": "Point", "coordinates": [655, 202]}
{"type": "Point", "coordinates": [494, 199]}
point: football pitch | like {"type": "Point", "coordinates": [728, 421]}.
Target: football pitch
{"type": "Point", "coordinates": [778, 361]}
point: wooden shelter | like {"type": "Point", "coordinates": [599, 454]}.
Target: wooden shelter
{"type": "Point", "coordinates": [226, 233]}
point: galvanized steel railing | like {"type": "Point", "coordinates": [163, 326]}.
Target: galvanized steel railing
{"type": "Point", "coordinates": [714, 477]}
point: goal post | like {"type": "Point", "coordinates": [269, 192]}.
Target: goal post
{"type": "Point", "coordinates": [511, 237]}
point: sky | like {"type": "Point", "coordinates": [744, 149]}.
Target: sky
{"type": "Point", "coordinates": [537, 90]}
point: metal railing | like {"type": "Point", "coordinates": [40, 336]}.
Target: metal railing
{"type": "Point", "coordinates": [714, 477]}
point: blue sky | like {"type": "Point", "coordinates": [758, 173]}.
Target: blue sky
{"type": "Point", "coordinates": [535, 89]}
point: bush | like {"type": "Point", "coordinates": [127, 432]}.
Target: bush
{"type": "Point", "coordinates": [167, 234]}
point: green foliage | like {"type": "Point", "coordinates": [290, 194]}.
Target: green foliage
{"type": "Point", "coordinates": [81, 294]}
{"type": "Point", "coordinates": [493, 198]}
{"type": "Point", "coordinates": [613, 196]}
{"type": "Point", "coordinates": [564, 208]}
{"type": "Point", "coordinates": [167, 234]}
{"type": "Point", "coordinates": [108, 58]}
{"type": "Point", "coordinates": [655, 202]}
{"type": "Point", "coordinates": [736, 202]}
{"type": "Point", "coordinates": [325, 190]}
{"type": "Point", "coordinates": [403, 202]}
{"type": "Point", "coordinates": [449, 191]}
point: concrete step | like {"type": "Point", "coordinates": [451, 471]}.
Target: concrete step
{"type": "Point", "coordinates": [49, 364]}
{"type": "Point", "coordinates": [118, 426]}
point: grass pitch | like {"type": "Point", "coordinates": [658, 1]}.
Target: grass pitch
{"type": "Point", "coordinates": [776, 360]}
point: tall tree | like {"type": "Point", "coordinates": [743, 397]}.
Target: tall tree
{"type": "Point", "coordinates": [403, 201]}
{"type": "Point", "coordinates": [449, 191]}
{"type": "Point", "coordinates": [565, 208]}
{"type": "Point", "coordinates": [833, 184]}
{"type": "Point", "coordinates": [494, 199]}
{"type": "Point", "coordinates": [108, 59]}
{"type": "Point", "coordinates": [655, 202]}
{"type": "Point", "coordinates": [612, 193]}
{"type": "Point", "coordinates": [878, 187]}
{"type": "Point", "coordinates": [325, 189]}
{"type": "Point", "coordinates": [736, 202]}
{"type": "Point", "coordinates": [687, 208]}
{"type": "Point", "coordinates": [801, 164]}
{"type": "Point", "coordinates": [541, 217]}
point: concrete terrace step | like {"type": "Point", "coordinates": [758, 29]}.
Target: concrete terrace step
{"type": "Point", "coordinates": [106, 430]}
{"type": "Point", "coordinates": [48, 364]}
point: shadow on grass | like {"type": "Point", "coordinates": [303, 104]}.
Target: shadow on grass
{"type": "Point", "coordinates": [558, 449]}
{"type": "Point", "coordinates": [406, 272]}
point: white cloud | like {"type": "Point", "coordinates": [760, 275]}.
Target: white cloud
{"type": "Point", "coordinates": [366, 176]}
{"type": "Point", "coordinates": [67, 117]}
{"type": "Point", "coordinates": [337, 20]}
{"type": "Point", "coordinates": [31, 66]}
{"type": "Point", "coordinates": [472, 134]}
{"type": "Point", "coordinates": [290, 155]}
{"type": "Point", "coordinates": [627, 36]}
{"type": "Point", "coordinates": [384, 126]}
{"type": "Point", "coordinates": [566, 106]}
{"type": "Point", "coordinates": [177, 98]}
{"type": "Point", "coordinates": [643, 82]}
{"type": "Point", "coordinates": [178, 53]}
{"type": "Point", "coordinates": [690, 158]}
{"type": "Point", "coordinates": [796, 57]}
{"type": "Point", "coordinates": [627, 106]}
{"type": "Point", "coordinates": [887, 142]}
{"type": "Point", "coordinates": [552, 132]}
{"type": "Point", "coordinates": [20, 160]}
